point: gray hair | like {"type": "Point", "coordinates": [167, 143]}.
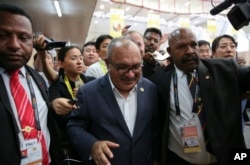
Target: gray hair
{"type": "Point", "coordinates": [118, 42]}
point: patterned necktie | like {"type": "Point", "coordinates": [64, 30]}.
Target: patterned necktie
{"type": "Point", "coordinates": [26, 114]}
{"type": "Point", "coordinates": [197, 102]}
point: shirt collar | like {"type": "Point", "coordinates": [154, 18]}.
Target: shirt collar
{"type": "Point", "coordinates": [22, 71]}
{"type": "Point", "coordinates": [180, 73]}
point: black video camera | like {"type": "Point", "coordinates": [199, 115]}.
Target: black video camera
{"type": "Point", "coordinates": [50, 44]}
{"type": "Point", "coordinates": [238, 16]}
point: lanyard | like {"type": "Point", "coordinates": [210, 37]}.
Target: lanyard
{"type": "Point", "coordinates": [196, 101]}
{"type": "Point", "coordinates": [33, 100]}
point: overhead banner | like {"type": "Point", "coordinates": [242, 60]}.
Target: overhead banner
{"type": "Point", "coordinates": [116, 22]}
{"type": "Point", "coordinates": [211, 29]}
{"type": "Point", "coordinates": [153, 20]}
{"type": "Point", "coordinates": [184, 22]}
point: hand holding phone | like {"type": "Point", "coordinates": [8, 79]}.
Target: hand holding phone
{"type": "Point", "coordinates": [74, 102]}
{"type": "Point", "coordinates": [127, 26]}
{"type": "Point", "coordinates": [125, 29]}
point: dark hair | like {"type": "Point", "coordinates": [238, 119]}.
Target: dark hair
{"type": "Point", "coordinates": [203, 42]}
{"type": "Point", "coordinates": [62, 54]}
{"type": "Point", "coordinates": [35, 57]}
{"type": "Point", "coordinates": [14, 10]}
{"type": "Point", "coordinates": [63, 51]}
{"type": "Point", "coordinates": [152, 29]}
{"type": "Point", "coordinates": [87, 44]}
{"type": "Point", "coordinates": [216, 41]}
{"type": "Point", "coordinates": [100, 39]}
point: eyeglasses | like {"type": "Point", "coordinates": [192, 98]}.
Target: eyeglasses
{"type": "Point", "coordinates": [123, 69]}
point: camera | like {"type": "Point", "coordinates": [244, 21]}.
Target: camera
{"type": "Point", "coordinates": [50, 44]}
{"type": "Point", "coordinates": [238, 16]}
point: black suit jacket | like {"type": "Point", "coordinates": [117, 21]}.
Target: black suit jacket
{"type": "Point", "coordinates": [9, 141]}
{"type": "Point", "coordinates": [222, 82]}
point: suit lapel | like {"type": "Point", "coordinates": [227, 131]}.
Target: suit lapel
{"type": "Point", "coordinates": [6, 103]}
{"type": "Point", "coordinates": [40, 83]}
{"type": "Point", "coordinates": [108, 95]}
{"type": "Point", "coordinates": [206, 84]}
{"type": "Point", "coordinates": [140, 105]}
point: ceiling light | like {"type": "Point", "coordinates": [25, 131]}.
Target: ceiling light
{"type": "Point", "coordinates": [127, 8]}
{"type": "Point", "coordinates": [58, 9]}
{"type": "Point", "coordinates": [101, 6]}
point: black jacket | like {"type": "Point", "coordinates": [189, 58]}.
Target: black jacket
{"type": "Point", "coordinates": [222, 82]}
{"type": "Point", "coordinates": [9, 141]}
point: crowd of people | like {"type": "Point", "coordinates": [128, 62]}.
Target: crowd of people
{"type": "Point", "coordinates": [116, 102]}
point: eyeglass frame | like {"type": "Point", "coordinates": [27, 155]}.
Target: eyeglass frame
{"type": "Point", "coordinates": [126, 69]}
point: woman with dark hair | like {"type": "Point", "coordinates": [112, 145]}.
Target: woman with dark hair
{"type": "Point", "coordinates": [224, 46]}
{"type": "Point", "coordinates": [62, 92]}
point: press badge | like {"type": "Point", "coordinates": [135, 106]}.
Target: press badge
{"type": "Point", "coordinates": [189, 136]}
{"type": "Point", "coordinates": [31, 152]}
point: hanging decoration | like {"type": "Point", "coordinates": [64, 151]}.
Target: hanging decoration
{"type": "Point", "coordinates": [174, 6]}
{"type": "Point", "coordinates": [116, 22]}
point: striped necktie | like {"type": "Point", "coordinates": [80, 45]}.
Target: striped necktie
{"type": "Point", "coordinates": [197, 103]}
{"type": "Point", "coordinates": [26, 114]}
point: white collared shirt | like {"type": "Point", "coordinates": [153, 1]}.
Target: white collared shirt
{"type": "Point", "coordinates": [97, 70]}
{"type": "Point", "coordinates": [128, 106]}
{"type": "Point", "coordinates": [186, 106]}
{"type": "Point", "coordinates": [41, 104]}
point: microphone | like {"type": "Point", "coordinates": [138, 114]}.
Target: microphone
{"type": "Point", "coordinates": [222, 6]}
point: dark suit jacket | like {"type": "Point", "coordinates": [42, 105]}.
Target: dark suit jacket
{"type": "Point", "coordinates": [222, 82]}
{"type": "Point", "coordinates": [100, 118]}
{"type": "Point", "coordinates": [9, 141]}
{"type": "Point", "coordinates": [148, 70]}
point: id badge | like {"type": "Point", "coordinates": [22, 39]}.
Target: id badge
{"type": "Point", "coordinates": [189, 136]}
{"type": "Point", "coordinates": [31, 152]}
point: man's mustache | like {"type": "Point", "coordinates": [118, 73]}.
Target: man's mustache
{"type": "Point", "coordinates": [190, 58]}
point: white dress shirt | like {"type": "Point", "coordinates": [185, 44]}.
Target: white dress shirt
{"type": "Point", "coordinates": [186, 107]}
{"type": "Point", "coordinates": [41, 104]}
{"type": "Point", "coordinates": [128, 106]}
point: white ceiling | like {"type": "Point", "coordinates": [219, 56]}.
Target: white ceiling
{"type": "Point", "coordinates": [169, 11]}
{"type": "Point", "coordinates": [78, 22]}
{"type": "Point", "coordinates": [72, 26]}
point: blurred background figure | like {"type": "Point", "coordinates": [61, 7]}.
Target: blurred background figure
{"type": "Point", "coordinates": [99, 68]}
{"type": "Point", "coordinates": [48, 61]}
{"type": "Point", "coordinates": [90, 56]}
{"type": "Point", "coordinates": [204, 49]}
{"type": "Point", "coordinates": [224, 46]}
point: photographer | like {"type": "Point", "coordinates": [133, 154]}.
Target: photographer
{"type": "Point", "coordinates": [41, 62]}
